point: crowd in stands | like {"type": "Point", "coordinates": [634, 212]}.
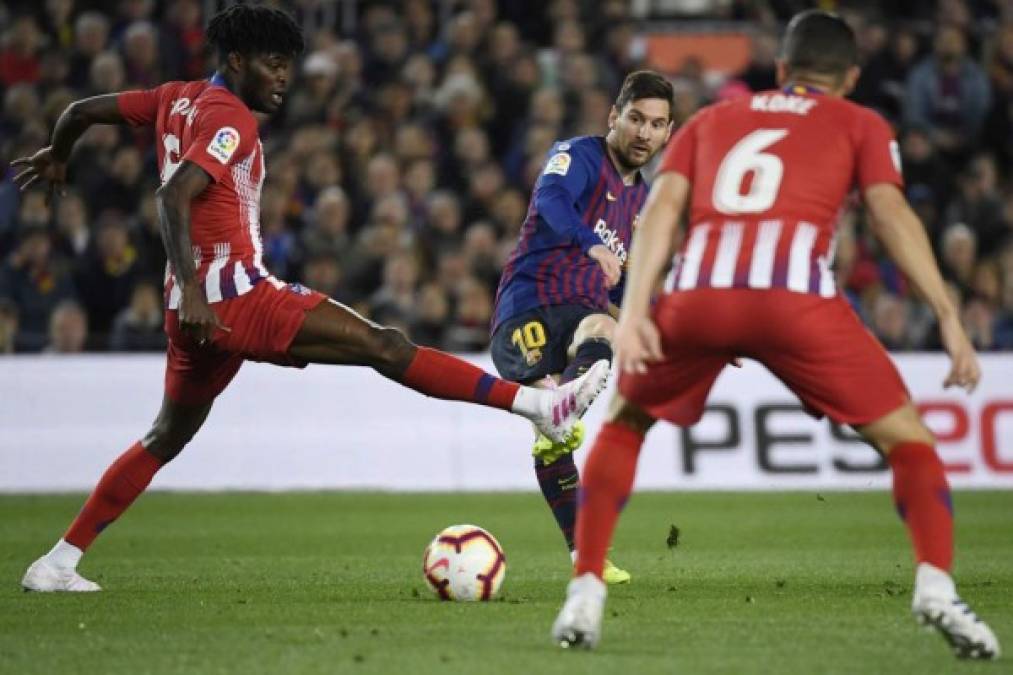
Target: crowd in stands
{"type": "Point", "coordinates": [399, 170]}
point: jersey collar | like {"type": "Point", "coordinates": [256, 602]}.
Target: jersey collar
{"type": "Point", "coordinates": [802, 90]}
{"type": "Point", "coordinates": [217, 80]}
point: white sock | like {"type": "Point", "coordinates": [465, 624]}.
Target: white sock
{"type": "Point", "coordinates": [527, 402]}
{"type": "Point", "coordinates": [931, 580]}
{"type": "Point", "coordinates": [573, 556]}
{"type": "Point", "coordinates": [65, 555]}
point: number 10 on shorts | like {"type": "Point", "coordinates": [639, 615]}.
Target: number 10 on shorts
{"type": "Point", "coordinates": [529, 339]}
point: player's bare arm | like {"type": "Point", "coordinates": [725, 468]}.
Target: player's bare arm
{"type": "Point", "coordinates": [172, 200]}
{"type": "Point", "coordinates": [609, 262]}
{"type": "Point", "coordinates": [903, 235]}
{"type": "Point", "coordinates": [637, 340]}
{"type": "Point", "coordinates": [50, 163]}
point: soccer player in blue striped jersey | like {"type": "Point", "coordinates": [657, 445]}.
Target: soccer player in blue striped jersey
{"type": "Point", "coordinates": [558, 297]}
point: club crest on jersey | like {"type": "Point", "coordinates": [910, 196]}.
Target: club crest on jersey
{"type": "Point", "coordinates": [558, 164]}
{"type": "Point", "coordinates": [224, 144]}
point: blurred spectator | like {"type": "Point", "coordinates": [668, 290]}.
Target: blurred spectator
{"type": "Point", "coordinates": [429, 320]}
{"type": "Point", "coordinates": [884, 77]}
{"type": "Point", "coordinates": [327, 231]}
{"type": "Point", "coordinates": [760, 74]}
{"type": "Point", "coordinates": [91, 34]}
{"type": "Point", "coordinates": [979, 322]}
{"type": "Point", "coordinates": [310, 102]}
{"type": "Point", "coordinates": [138, 328]}
{"type": "Point", "coordinates": [107, 276]}
{"type": "Point", "coordinates": [978, 204]}
{"type": "Point", "coordinates": [68, 329]}
{"type": "Point", "coordinates": [959, 248]}
{"type": "Point", "coordinates": [72, 232]}
{"type": "Point", "coordinates": [19, 52]}
{"type": "Point", "coordinates": [949, 94]}
{"type": "Point", "coordinates": [890, 317]}
{"type": "Point", "coordinates": [469, 331]}
{"type": "Point", "coordinates": [32, 277]}
{"type": "Point", "coordinates": [8, 326]}
{"type": "Point", "coordinates": [396, 297]}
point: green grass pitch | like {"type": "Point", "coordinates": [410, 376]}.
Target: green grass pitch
{"type": "Point", "coordinates": [331, 583]}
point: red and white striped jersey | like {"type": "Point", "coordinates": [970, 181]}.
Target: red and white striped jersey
{"type": "Point", "coordinates": [769, 175]}
{"type": "Point", "coordinates": [206, 124]}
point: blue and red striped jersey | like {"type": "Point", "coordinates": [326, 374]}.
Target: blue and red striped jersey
{"type": "Point", "coordinates": [578, 202]}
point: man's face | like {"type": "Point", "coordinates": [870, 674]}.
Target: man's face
{"type": "Point", "coordinates": [264, 80]}
{"type": "Point", "coordinates": [950, 45]}
{"type": "Point", "coordinates": [640, 130]}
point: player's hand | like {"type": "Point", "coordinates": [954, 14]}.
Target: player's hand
{"type": "Point", "coordinates": [964, 369]}
{"type": "Point", "coordinates": [41, 166]}
{"type": "Point", "coordinates": [637, 342]}
{"type": "Point", "coordinates": [196, 318]}
{"type": "Point", "coordinates": [609, 263]}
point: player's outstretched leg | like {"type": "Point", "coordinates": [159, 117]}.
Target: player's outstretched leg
{"type": "Point", "coordinates": [555, 467]}
{"type": "Point", "coordinates": [922, 496]}
{"type": "Point", "coordinates": [608, 480]}
{"type": "Point", "coordinates": [120, 485]}
{"type": "Point", "coordinates": [334, 334]}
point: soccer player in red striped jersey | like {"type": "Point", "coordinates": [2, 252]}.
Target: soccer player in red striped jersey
{"type": "Point", "coordinates": [222, 306]}
{"type": "Point", "coordinates": [764, 178]}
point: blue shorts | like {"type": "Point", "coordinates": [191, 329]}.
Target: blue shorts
{"type": "Point", "coordinates": [533, 344]}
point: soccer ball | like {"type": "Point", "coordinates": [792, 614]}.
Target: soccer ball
{"type": "Point", "coordinates": [464, 562]}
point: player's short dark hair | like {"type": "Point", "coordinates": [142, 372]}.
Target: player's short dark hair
{"type": "Point", "coordinates": [646, 84]}
{"type": "Point", "coordinates": [819, 42]}
{"type": "Point", "coordinates": [254, 29]}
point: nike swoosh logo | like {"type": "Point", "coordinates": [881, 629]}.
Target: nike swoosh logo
{"type": "Point", "coordinates": [609, 196]}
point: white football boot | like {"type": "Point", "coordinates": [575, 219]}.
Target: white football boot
{"type": "Point", "coordinates": [559, 409]}
{"type": "Point", "coordinates": [45, 577]}
{"type": "Point", "coordinates": [937, 605]}
{"type": "Point", "coordinates": [579, 622]}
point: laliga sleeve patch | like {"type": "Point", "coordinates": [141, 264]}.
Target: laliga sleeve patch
{"type": "Point", "coordinates": [558, 164]}
{"type": "Point", "coordinates": [224, 144]}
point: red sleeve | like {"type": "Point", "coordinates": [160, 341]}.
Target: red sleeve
{"type": "Point", "coordinates": [878, 157]}
{"type": "Point", "coordinates": [224, 133]}
{"type": "Point", "coordinates": [139, 108]}
{"type": "Point", "coordinates": [679, 155]}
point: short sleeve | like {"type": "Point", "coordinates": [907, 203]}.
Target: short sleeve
{"type": "Point", "coordinates": [224, 133]}
{"type": "Point", "coordinates": [679, 155]}
{"type": "Point", "coordinates": [878, 156]}
{"type": "Point", "coordinates": [140, 107]}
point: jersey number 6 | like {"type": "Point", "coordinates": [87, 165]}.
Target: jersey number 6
{"type": "Point", "coordinates": [747, 157]}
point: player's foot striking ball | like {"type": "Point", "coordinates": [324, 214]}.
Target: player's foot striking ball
{"type": "Point", "coordinates": [764, 178]}
{"type": "Point", "coordinates": [223, 307]}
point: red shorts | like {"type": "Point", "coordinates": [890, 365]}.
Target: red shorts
{"type": "Point", "coordinates": [816, 346]}
{"type": "Point", "coordinates": [264, 322]}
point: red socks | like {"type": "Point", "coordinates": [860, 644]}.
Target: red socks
{"type": "Point", "coordinates": [119, 486]}
{"type": "Point", "coordinates": [606, 485]}
{"type": "Point", "coordinates": [441, 375]}
{"type": "Point", "coordinates": [922, 497]}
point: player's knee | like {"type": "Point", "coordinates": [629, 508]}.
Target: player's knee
{"type": "Point", "coordinates": [595, 327]}
{"type": "Point", "coordinates": [390, 350]}
{"type": "Point", "coordinates": [629, 415]}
